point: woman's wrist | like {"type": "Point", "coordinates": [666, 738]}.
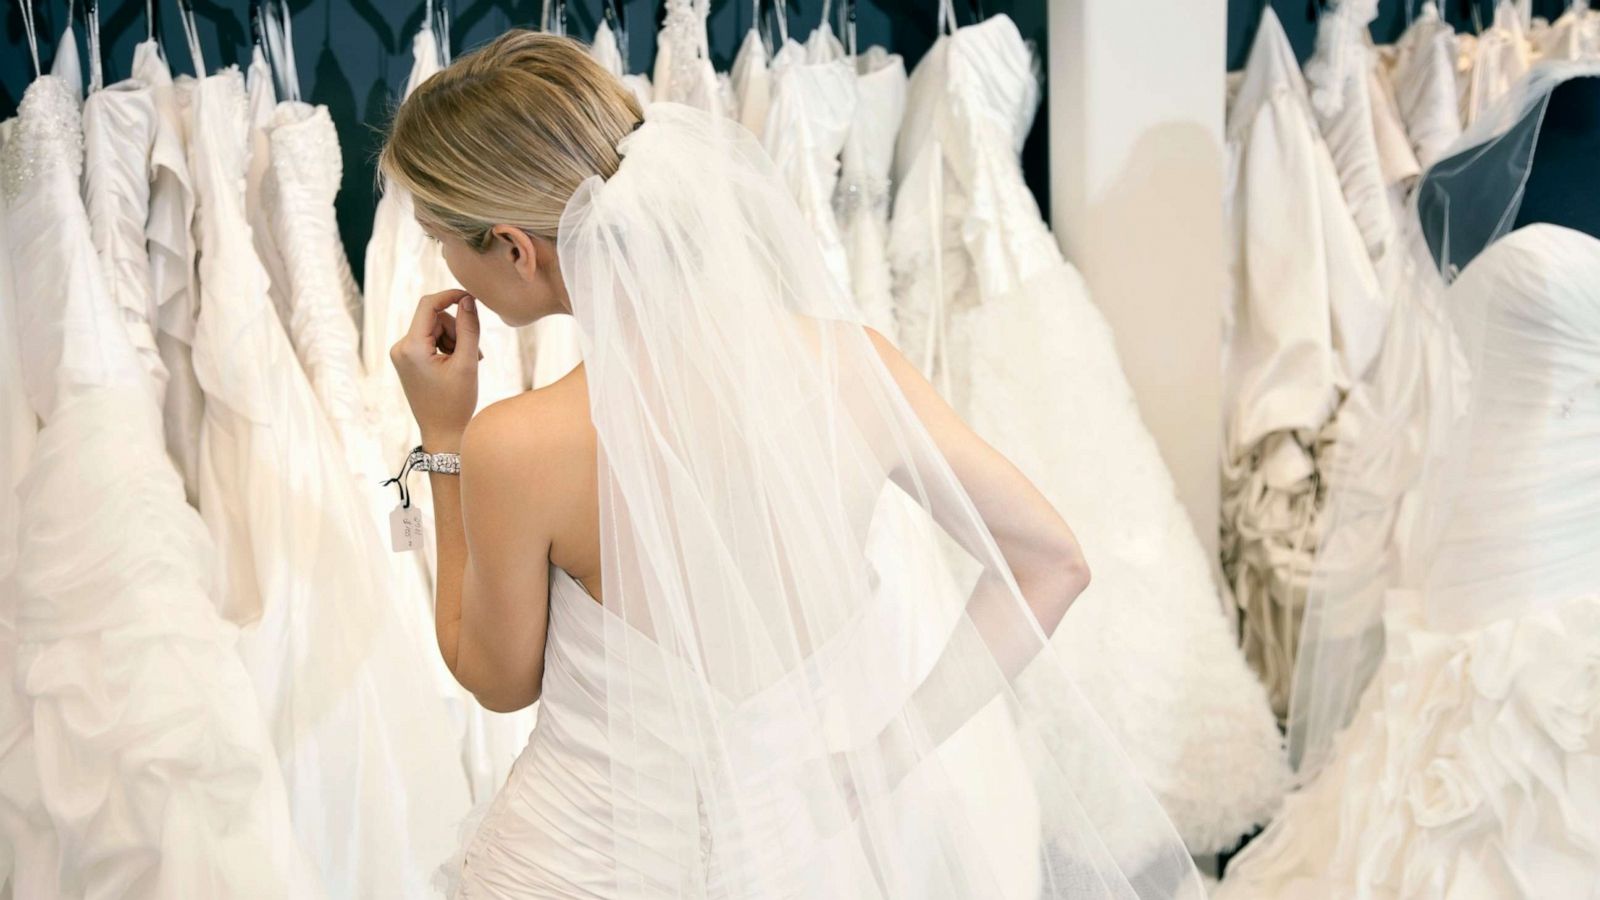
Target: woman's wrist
{"type": "Point", "coordinates": [441, 441]}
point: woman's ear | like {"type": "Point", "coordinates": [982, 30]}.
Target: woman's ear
{"type": "Point", "coordinates": [518, 245]}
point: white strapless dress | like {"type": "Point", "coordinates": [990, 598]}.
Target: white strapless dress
{"type": "Point", "coordinates": [1471, 768]}
{"type": "Point", "coordinates": [547, 832]}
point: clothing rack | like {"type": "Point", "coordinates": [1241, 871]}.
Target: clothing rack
{"type": "Point", "coordinates": [354, 56]}
{"type": "Point", "coordinates": [1299, 19]}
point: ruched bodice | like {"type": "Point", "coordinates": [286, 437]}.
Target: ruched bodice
{"type": "Point", "coordinates": [550, 830]}
{"type": "Point", "coordinates": [119, 130]}
{"type": "Point", "coordinates": [1524, 522]}
{"type": "Point", "coordinates": [298, 194]}
{"type": "Point", "coordinates": [1468, 765]}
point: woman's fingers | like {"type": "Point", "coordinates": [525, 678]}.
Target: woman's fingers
{"type": "Point", "coordinates": [446, 338]}
{"type": "Point", "coordinates": [432, 329]}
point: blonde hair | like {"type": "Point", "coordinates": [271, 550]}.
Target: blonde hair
{"type": "Point", "coordinates": [505, 135]}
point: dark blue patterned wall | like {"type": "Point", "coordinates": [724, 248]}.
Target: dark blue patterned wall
{"type": "Point", "coordinates": [1299, 20]}
{"type": "Point", "coordinates": [354, 54]}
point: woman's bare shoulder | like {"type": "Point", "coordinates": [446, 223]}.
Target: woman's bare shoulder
{"type": "Point", "coordinates": [541, 437]}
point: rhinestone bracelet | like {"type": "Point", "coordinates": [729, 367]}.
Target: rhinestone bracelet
{"type": "Point", "coordinates": [443, 463]}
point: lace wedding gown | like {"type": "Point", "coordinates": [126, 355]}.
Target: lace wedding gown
{"type": "Point", "coordinates": [360, 735]}
{"type": "Point", "coordinates": [150, 756]}
{"type": "Point", "coordinates": [987, 305]}
{"type": "Point", "coordinates": [1471, 767]}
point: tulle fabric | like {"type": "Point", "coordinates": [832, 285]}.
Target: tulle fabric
{"type": "Point", "coordinates": [760, 695]}
{"type": "Point", "coordinates": [1008, 332]}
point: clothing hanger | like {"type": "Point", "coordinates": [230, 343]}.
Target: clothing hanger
{"type": "Point", "coordinates": [441, 30]}
{"type": "Point", "coordinates": [32, 33]}
{"type": "Point", "coordinates": [615, 15]}
{"type": "Point", "coordinates": [191, 34]}
{"type": "Point", "coordinates": [91, 13]}
{"type": "Point", "coordinates": [847, 12]}
{"type": "Point", "coordinates": [780, 13]}
{"type": "Point", "coordinates": [557, 23]}
{"type": "Point", "coordinates": [258, 32]}
{"type": "Point", "coordinates": [280, 28]}
{"type": "Point", "coordinates": [947, 17]}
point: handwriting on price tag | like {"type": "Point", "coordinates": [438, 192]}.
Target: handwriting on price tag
{"type": "Point", "coordinates": [405, 528]}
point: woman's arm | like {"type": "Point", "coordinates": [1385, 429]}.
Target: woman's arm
{"type": "Point", "coordinates": [1036, 543]}
{"type": "Point", "coordinates": [491, 603]}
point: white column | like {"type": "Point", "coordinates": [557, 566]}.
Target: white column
{"type": "Point", "coordinates": [1136, 169]}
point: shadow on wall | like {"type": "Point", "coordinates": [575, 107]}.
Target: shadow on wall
{"type": "Point", "coordinates": [1159, 277]}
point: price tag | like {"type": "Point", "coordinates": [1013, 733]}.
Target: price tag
{"type": "Point", "coordinates": [405, 528]}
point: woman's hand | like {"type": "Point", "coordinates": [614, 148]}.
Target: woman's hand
{"type": "Point", "coordinates": [437, 361]}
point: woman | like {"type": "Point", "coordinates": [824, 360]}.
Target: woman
{"type": "Point", "coordinates": [709, 550]}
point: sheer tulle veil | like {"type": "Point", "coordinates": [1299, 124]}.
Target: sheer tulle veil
{"type": "Point", "coordinates": [1397, 467]}
{"type": "Point", "coordinates": [803, 669]}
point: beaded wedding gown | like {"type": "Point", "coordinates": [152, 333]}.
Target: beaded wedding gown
{"type": "Point", "coordinates": [986, 304]}
{"type": "Point", "coordinates": [1471, 767]}
{"type": "Point", "coordinates": [150, 759]}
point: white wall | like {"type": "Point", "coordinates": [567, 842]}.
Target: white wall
{"type": "Point", "coordinates": [1136, 168]}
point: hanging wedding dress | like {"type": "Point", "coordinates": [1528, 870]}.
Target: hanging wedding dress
{"type": "Point", "coordinates": [608, 53]}
{"type": "Point", "coordinates": [361, 738]}
{"type": "Point", "coordinates": [1470, 765]}
{"type": "Point", "coordinates": [402, 265]}
{"type": "Point", "coordinates": [808, 120]}
{"type": "Point", "coordinates": [119, 126]}
{"type": "Point", "coordinates": [297, 199]}
{"type": "Point", "coordinates": [170, 243]}
{"type": "Point", "coordinates": [980, 280]}
{"type": "Point", "coordinates": [1368, 142]}
{"type": "Point", "coordinates": [1575, 35]}
{"type": "Point", "coordinates": [29, 857]}
{"type": "Point", "coordinates": [862, 197]}
{"type": "Point", "coordinates": [743, 715]}
{"type": "Point", "coordinates": [1426, 85]}
{"type": "Point", "coordinates": [263, 100]}
{"type": "Point", "coordinates": [1300, 270]}
{"type": "Point", "coordinates": [683, 70]}
{"type": "Point", "coordinates": [1501, 58]}
{"type": "Point", "coordinates": [151, 757]}
{"type": "Point", "coordinates": [752, 81]}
